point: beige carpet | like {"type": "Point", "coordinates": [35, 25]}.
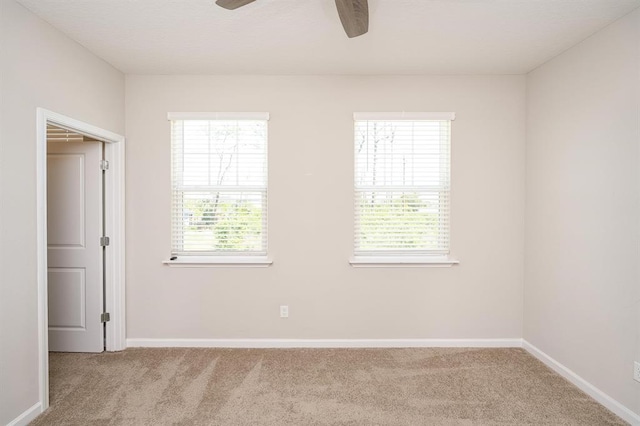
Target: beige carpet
{"type": "Point", "coordinates": [314, 387]}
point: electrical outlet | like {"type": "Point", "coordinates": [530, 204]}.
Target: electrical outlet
{"type": "Point", "coordinates": [636, 371]}
{"type": "Point", "coordinates": [284, 311]}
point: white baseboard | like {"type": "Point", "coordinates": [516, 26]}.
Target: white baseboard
{"type": "Point", "coordinates": [26, 417]}
{"type": "Point", "coordinates": [324, 343]}
{"type": "Point", "coordinates": [620, 410]}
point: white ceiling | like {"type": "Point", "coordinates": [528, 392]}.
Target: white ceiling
{"type": "Point", "coordinates": [305, 36]}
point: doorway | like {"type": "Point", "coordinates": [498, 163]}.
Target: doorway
{"type": "Point", "coordinates": [69, 283]}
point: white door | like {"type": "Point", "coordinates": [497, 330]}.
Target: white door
{"type": "Point", "coordinates": [74, 228]}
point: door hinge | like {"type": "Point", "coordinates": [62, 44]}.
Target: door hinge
{"type": "Point", "coordinates": [104, 241]}
{"type": "Point", "coordinates": [104, 165]}
{"type": "Point", "coordinates": [105, 317]}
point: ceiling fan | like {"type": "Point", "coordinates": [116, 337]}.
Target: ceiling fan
{"type": "Point", "coordinates": [354, 14]}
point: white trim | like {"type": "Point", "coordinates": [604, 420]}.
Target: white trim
{"type": "Point", "coordinates": [218, 116]}
{"type": "Point", "coordinates": [28, 416]}
{"type": "Point", "coordinates": [41, 256]}
{"type": "Point", "coordinates": [115, 228]}
{"type": "Point", "coordinates": [76, 125]}
{"type": "Point", "coordinates": [409, 116]}
{"type": "Point", "coordinates": [616, 407]}
{"type": "Point", "coordinates": [324, 343]}
{"type": "Point", "coordinates": [115, 267]}
{"type": "Point", "coordinates": [401, 262]}
{"type": "Point", "coordinates": [218, 261]}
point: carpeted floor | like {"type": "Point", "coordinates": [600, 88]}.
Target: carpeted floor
{"type": "Point", "coordinates": [314, 387]}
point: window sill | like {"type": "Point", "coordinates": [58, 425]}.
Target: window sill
{"type": "Point", "coordinates": [402, 262]}
{"type": "Point", "coordinates": [219, 262]}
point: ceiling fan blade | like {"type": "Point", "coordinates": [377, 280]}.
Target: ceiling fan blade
{"type": "Point", "coordinates": [354, 15]}
{"type": "Point", "coordinates": [233, 4]}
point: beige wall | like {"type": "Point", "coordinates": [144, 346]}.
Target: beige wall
{"type": "Point", "coordinates": [582, 282]}
{"type": "Point", "coordinates": [311, 214]}
{"type": "Point", "coordinates": [40, 68]}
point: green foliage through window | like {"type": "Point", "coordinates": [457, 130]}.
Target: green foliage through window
{"type": "Point", "coordinates": [398, 221]}
{"type": "Point", "coordinates": [215, 224]}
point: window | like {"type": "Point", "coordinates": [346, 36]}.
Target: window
{"type": "Point", "coordinates": [402, 186]}
{"type": "Point", "coordinates": [219, 184]}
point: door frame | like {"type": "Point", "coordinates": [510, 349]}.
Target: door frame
{"type": "Point", "coordinates": [115, 227]}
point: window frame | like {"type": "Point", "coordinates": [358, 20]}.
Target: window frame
{"type": "Point", "coordinates": [405, 258]}
{"type": "Point", "coordinates": [222, 258]}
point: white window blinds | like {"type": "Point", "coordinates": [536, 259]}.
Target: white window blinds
{"type": "Point", "coordinates": [219, 184]}
{"type": "Point", "coordinates": [402, 184]}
